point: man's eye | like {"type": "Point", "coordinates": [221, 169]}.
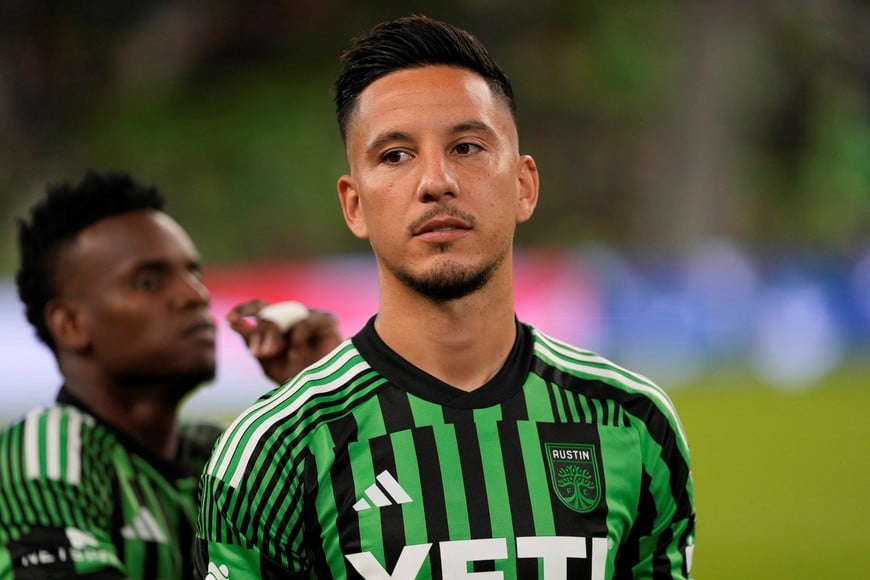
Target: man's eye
{"type": "Point", "coordinates": [467, 148]}
{"type": "Point", "coordinates": [148, 282]}
{"type": "Point", "coordinates": [395, 156]}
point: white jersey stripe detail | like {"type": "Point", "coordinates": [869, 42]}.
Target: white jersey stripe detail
{"type": "Point", "coordinates": [226, 446]}
{"type": "Point", "coordinates": [52, 443]}
{"type": "Point", "coordinates": [590, 357]}
{"type": "Point", "coordinates": [221, 458]}
{"type": "Point", "coordinates": [626, 377]}
{"type": "Point", "coordinates": [52, 450]}
{"type": "Point", "coordinates": [284, 412]}
{"type": "Point", "coordinates": [31, 444]}
{"type": "Point", "coordinates": [74, 447]}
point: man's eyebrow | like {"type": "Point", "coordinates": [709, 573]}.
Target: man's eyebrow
{"type": "Point", "coordinates": [472, 126]}
{"type": "Point", "coordinates": [164, 264]}
{"type": "Point", "coordinates": [151, 264]}
{"type": "Point", "coordinates": [384, 138]}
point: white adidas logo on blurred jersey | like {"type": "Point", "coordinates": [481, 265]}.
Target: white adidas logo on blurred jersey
{"type": "Point", "coordinates": [143, 527]}
{"type": "Point", "coordinates": [392, 493]}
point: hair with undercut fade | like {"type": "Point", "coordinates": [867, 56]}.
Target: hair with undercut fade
{"type": "Point", "coordinates": [411, 42]}
{"type": "Point", "coordinates": [57, 220]}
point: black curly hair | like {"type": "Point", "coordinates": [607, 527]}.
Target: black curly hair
{"type": "Point", "coordinates": [411, 42]}
{"type": "Point", "coordinates": [56, 220]}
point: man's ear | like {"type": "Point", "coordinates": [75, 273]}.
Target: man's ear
{"type": "Point", "coordinates": [64, 322]}
{"type": "Point", "coordinates": [528, 186]}
{"type": "Point", "coordinates": [351, 207]}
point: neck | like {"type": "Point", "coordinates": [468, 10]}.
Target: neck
{"type": "Point", "coordinates": [147, 413]}
{"type": "Point", "coordinates": [462, 342]}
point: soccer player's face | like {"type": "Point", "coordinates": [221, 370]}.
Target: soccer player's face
{"type": "Point", "coordinates": [134, 282]}
{"type": "Point", "coordinates": [436, 182]}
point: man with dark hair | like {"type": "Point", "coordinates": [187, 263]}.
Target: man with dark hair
{"type": "Point", "coordinates": [446, 439]}
{"type": "Point", "coordinates": [102, 484]}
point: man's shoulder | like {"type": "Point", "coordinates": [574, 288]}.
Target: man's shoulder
{"type": "Point", "coordinates": [58, 418]}
{"type": "Point", "coordinates": [295, 412]}
{"type": "Point", "coordinates": [586, 365]}
{"type": "Point", "coordinates": [337, 377]}
{"type": "Point", "coordinates": [593, 375]}
{"type": "Point", "coordinates": [581, 362]}
{"type": "Point", "coordinates": [56, 442]}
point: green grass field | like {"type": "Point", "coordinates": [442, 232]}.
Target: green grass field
{"type": "Point", "coordinates": [782, 480]}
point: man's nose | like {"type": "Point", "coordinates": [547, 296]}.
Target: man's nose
{"type": "Point", "coordinates": [192, 290]}
{"type": "Point", "coordinates": [437, 177]}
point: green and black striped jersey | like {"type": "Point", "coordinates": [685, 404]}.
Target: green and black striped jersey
{"type": "Point", "coordinates": [78, 497]}
{"type": "Point", "coordinates": [564, 465]}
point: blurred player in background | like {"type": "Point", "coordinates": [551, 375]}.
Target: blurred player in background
{"type": "Point", "coordinates": [446, 438]}
{"type": "Point", "coordinates": [102, 484]}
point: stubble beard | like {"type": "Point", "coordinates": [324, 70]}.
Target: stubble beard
{"type": "Point", "coordinates": [450, 281]}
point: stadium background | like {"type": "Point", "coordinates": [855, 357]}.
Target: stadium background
{"type": "Point", "coordinates": [704, 219]}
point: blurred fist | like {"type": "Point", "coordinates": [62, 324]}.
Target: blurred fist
{"type": "Point", "coordinates": [282, 354]}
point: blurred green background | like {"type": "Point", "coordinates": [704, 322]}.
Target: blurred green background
{"type": "Point", "coordinates": [657, 126]}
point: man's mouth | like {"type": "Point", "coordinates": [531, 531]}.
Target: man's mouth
{"type": "Point", "coordinates": [204, 330]}
{"type": "Point", "coordinates": [447, 224]}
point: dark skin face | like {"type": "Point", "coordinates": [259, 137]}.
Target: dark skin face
{"type": "Point", "coordinates": [134, 329]}
{"type": "Point", "coordinates": [132, 320]}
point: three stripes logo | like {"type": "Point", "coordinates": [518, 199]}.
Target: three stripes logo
{"type": "Point", "coordinates": [144, 527]}
{"type": "Point", "coordinates": [388, 493]}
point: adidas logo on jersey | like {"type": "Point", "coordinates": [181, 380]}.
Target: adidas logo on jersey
{"type": "Point", "coordinates": [143, 527]}
{"type": "Point", "coordinates": [392, 493]}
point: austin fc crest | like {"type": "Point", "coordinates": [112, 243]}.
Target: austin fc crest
{"type": "Point", "coordinates": [574, 473]}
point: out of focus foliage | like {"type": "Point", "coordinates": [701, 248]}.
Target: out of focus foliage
{"type": "Point", "coordinates": [654, 124]}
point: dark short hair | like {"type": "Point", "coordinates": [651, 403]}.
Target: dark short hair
{"type": "Point", "coordinates": [56, 220]}
{"type": "Point", "coordinates": [411, 42]}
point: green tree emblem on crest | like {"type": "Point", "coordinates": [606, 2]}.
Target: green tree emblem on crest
{"type": "Point", "coordinates": [578, 484]}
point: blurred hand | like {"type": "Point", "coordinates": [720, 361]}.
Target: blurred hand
{"type": "Point", "coordinates": [283, 355]}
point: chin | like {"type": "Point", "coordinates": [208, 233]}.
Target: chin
{"type": "Point", "coordinates": [186, 370]}
{"type": "Point", "coordinates": [187, 384]}
{"type": "Point", "coordinates": [200, 376]}
{"type": "Point", "coordinates": [449, 283]}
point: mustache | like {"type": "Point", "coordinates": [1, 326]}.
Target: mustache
{"type": "Point", "coordinates": [440, 212]}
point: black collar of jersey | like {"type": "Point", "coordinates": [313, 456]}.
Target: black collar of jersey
{"type": "Point", "coordinates": [402, 374]}
{"type": "Point", "coordinates": [169, 469]}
